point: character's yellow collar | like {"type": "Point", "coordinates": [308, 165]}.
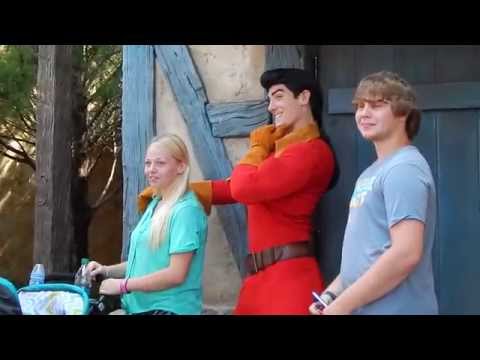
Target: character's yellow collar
{"type": "Point", "coordinates": [307, 133]}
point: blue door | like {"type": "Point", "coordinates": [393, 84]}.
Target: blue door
{"type": "Point", "coordinates": [447, 79]}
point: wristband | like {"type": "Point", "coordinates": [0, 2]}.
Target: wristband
{"type": "Point", "coordinates": [126, 288]}
{"type": "Point", "coordinates": [123, 286]}
{"type": "Point", "coordinates": [328, 297]}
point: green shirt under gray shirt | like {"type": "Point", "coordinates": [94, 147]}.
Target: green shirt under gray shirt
{"type": "Point", "coordinates": [187, 232]}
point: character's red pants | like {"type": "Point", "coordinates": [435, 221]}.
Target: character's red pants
{"type": "Point", "coordinates": [284, 288]}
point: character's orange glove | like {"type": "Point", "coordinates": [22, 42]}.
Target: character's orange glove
{"type": "Point", "coordinates": [144, 198]}
{"type": "Point", "coordinates": [262, 143]}
{"type": "Point", "coordinates": [203, 190]}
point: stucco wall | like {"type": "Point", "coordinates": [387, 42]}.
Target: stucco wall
{"type": "Point", "coordinates": [229, 73]}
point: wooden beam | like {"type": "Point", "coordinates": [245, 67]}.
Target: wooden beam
{"type": "Point", "coordinates": [138, 128]}
{"type": "Point", "coordinates": [53, 241]}
{"type": "Point", "coordinates": [284, 56]}
{"type": "Point", "coordinates": [237, 119]}
{"type": "Point", "coordinates": [177, 66]}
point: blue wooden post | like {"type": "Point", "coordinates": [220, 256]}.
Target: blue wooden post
{"type": "Point", "coordinates": [237, 119]}
{"type": "Point", "coordinates": [138, 105]}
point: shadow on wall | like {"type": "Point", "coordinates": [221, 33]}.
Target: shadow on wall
{"type": "Point", "coordinates": [17, 212]}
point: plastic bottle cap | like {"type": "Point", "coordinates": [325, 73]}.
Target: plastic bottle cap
{"type": "Point", "coordinates": [85, 261]}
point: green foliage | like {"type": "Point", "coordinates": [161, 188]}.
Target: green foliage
{"type": "Point", "coordinates": [102, 84]}
{"type": "Point", "coordinates": [17, 79]}
{"type": "Point", "coordinates": [99, 87]}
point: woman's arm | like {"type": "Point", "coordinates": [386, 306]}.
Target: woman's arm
{"type": "Point", "coordinates": [112, 271]}
{"type": "Point", "coordinates": [174, 275]}
{"type": "Point", "coordinates": [116, 271]}
{"type": "Point", "coordinates": [387, 272]}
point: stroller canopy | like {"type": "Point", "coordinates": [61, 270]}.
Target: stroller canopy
{"type": "Point", "coordinates": [9, 302]}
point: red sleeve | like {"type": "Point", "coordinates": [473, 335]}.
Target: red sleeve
{"type": "Point", "coordinates": [221, 193]}
{"type": "Point", "coordinates": [277, 177]}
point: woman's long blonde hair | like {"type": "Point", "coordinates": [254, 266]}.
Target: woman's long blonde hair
{"type": "Point", "coordinates": [175, 146]}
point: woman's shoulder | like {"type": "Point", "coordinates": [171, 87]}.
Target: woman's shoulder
{"type": "Point", "coordinates": [189, 212]}
{"type": "Point", "coordinates": [188, 203]}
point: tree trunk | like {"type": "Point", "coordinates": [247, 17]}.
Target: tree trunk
{"type": "Point", "coordinates": [54, 242]}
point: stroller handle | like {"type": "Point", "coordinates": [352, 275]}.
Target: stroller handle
{"type": "Point", "coordinates": [60, 277]}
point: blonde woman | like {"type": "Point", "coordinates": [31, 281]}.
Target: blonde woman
{"type": "Point", "coordinates": [163, 272]}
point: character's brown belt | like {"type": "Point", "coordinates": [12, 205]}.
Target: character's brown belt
{"type": "Point", "coordinates": [259, 261]}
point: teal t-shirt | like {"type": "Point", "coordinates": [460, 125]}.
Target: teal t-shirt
{"type": "Point", "coordinates": [186, 232]}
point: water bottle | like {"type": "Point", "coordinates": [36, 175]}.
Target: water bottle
{"type": "Point", "coordinates": [83, 279]}
{"type": "Point", "coordinates": [38, 275]}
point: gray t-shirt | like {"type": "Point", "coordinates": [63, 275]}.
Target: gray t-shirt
{"type": "Point", "coordinates": [397, 188]}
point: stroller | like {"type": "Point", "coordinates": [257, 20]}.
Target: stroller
{"type": "Point", "coordinates": [53, 299]}
{"type": "Point", "coordinates": [50, 298]}
{"type": "Point", "coordinates": [9, 302]}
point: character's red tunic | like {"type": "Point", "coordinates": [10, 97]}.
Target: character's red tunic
{"type": "Point", "coordinates": [280, 195]}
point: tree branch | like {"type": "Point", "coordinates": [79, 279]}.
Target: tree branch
{"type": "Point", "coordinates": [12, 124]}
{"type": "Point", "coordinates": [19, 144]}
{"type": "Point", "coordinates": [98, 113]}
{"type": "Point", "coordinates": [92, 96]}
{"type": "Point", "coordinates": [12, 149]}
{"type": "Point", "coordinates": [103, 198]}
{"type": "Point", "coordinates": [93, 74]}
{"type": "Point", "coordinates": [31, 130]}
{"type": "Point", "coordinates": [94, 139]}
{"type": "Point", "coordinates": [18, 140]}
{"type": "Point", "coordinates": [24, 160]}
{"type": "Point", "coordinates": [94, 164]}
{"type": "Point", "coordinates": [107, 198]}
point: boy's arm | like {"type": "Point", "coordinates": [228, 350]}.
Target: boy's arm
{"type": "Point", "coordinates": [385, 274]}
